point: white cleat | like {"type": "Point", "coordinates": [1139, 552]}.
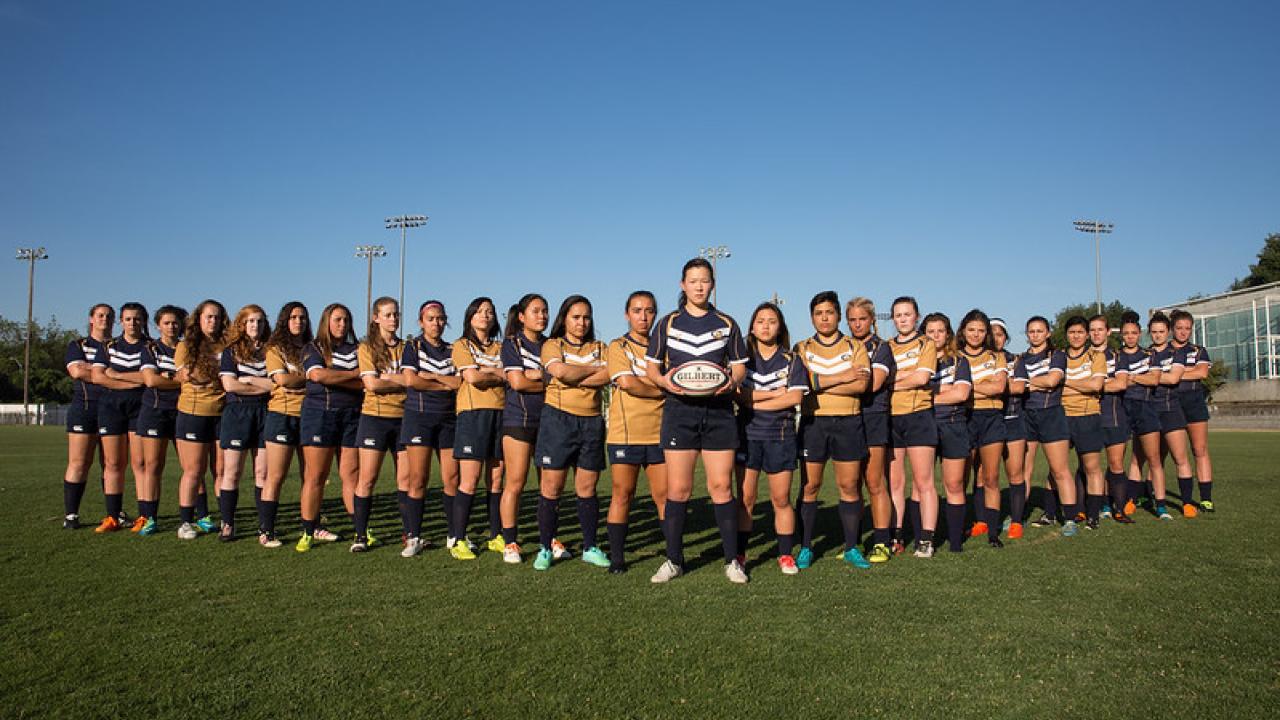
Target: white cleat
{"type": "Point", "coordinates": [666, 572]}
{"type": "Point", "coordinates": [735, 573]}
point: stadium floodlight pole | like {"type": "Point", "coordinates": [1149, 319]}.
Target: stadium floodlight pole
{"type": "Point", "coordinates": [714, 253]}
{"type": "Point", "coordinates": [30, 255]}
{"type": "Point", "coordinates": [776, 300]}
{"type": "Point", "coordinates": [369, 252]}
{"type": "Point", "coordinates": [404, 222]}
{"type": "Point", "coordinates": [1098, 228]}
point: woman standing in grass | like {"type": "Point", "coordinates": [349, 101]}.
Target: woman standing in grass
{"type": "Point", "coordinates": [82, 413]}
{"type": "Point", "coordinates": [477, 443]}
{"type": "Point", "coordinates": [1015, 430]}
{"type": "Point", "coordinates": [381, 413]}
{"type": "Point", "coordinates": [861, 315]}
{"type": "Point", "coordinates": [990, 377]}
{"type": "Point", "coordinates": [282, 431]}
{"type": "Point", "coordinates": [1115, 424]}
{"type": "Point", "coordinates": [200, 402]}
{"type": "Point", "coordinates": [1045, 369]}
{"type": "Point", "coordinates": [1083, 383]}
{"type": "Point", "coordinates": [914, 427]}
{"type": "Point", "coordinates": [1195, 406]}
{"type": "Point", "coordinates": [159, 413]}
{"type": "Point", "coordinates": [952, 387]}
{"type": "Point", "coordinates": [1173, 424]}
{"type": "Point", "coordinates": [521, 417]}
{"type": "Point", "coordinates": [118, 370]}
{"type": "Point", "coordinates": [243, 374]}
{"type": "Point", "coordinates": [1144, 421]}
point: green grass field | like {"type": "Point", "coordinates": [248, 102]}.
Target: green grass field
{"type": "Point", "coordinates": [1153, 620]}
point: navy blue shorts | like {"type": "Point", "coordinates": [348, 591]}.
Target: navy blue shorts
{"type": "Point", "coordinates": [82, 419]}
{"type": "Point", "coordinates": [329, 428]}
{"type": "Point", "coordinates": [477, 435]}
{"type": "Point", "coordinates": [197, 428]}
{"type": "Point", "coordinates": [1015, 428]}
{"type": "Point", "coordinates": [429, 430]}
{"type": "Point", "coordinates": [700, 425]}
{"type": "Point", "coordinates": [1047, 425]}
{"type": "Point", "coordinates": [1142, 416]}
{"type": "Point", "coordinates": [1195, 408]}
{"type": "Point", "coordinates": [243, 426]}
{"type": "Point", "coordinates": [283, 429]}
{"type": "Point", "coordinates": [156, 422]}
{"type": "Point", "coordinates": [118, 413]}
{"type": "Point", "coordinates": [953, 439]}
{"type": "Point", "coordinates": [839, 438]}
{"type": "Point", "coordinates": [1115, 434]}
{"type": "Point", "coordinates": [1086, 433]}
{"type": "Point", "coordinates": [566, 440]}
{"type": "Point", "coordinates": [917, 429]}
{"type": "Point", "coordinates": [875, 428]}
{"type": "Point", "coordinates": [1171, 417]}
{"type": "Point", "coordinates": [768, 456]}
{"type": "Point", "coordinates": [378, 433]}
{"type": "Point", "coordinates": [643, 455]}
{"type": "Point", "coordinates": [986, 427]}
{"type": "Point", "coordinates": [527, 434]}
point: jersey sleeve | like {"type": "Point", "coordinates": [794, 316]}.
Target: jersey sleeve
{"type": "Point", "coordinates": [147, 358]}
{"type": "Point", "coordinates": [75, 353]}
{"type": "Point", "coordinates": [510, 355]}
{"type": "Point", "coordinates": [181, 355]}
{"type": "Point", "coordinates": [748, 381]}
{"type": "Point", "coordinates": [928, 357]}
{"type": "Point", "coordinates": [797, 375]}
{"type": "Point", "coordinates": [311, 360]}
{"type": "Point", "coordinates": [860, 360]}
{"type": "Point", "coordinates": [617, 361]}
{"type": "Point", "coordinates": [227, 363]}
{"type": "Point", "coordinates": [364, 357]}
{"type": "Point", "coordinates": [657, 350]}
{"type": "Point", "coordinates": [1098, 365]}
{"type": "Point", "coordinates": [552, 352]}
{"type": "Point", "coordinates": [1020, 369]}
{"type": "Point", "coordinates": [883, 358]}
{"type": "Point", "coordinates": [964, 373]}
{"type": "Point", "coordinates": [101, 357]}
{"type": "Point", "coordinates": [736, 348]}
{"type": "Point", "coordinates": [409, 356]}
{"type": "Point", "coordinates": [1058, 362]}
{"type": "Point", "coordinates": [275, 362]}
{"type": "Point", "coordinates": [1203, 356]}
{"type": "Point", "coordinates": [1001, 365]}
{"type": "Point", "coordinates": [463, 359]}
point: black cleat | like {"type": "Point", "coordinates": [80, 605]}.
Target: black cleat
{"type": "Point", "coordinates": [995, 543]}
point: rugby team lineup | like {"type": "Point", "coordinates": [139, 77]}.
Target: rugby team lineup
{"type": "Point", "coordinates": [926, 398]}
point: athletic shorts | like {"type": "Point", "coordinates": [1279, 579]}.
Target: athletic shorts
{"type": "Point", "coordinates": [197, 428]}
{"type": "Point", "coordinates": [643, 455]}
{"type": "Point", "coordinates": [1086, 433]}
{"type": "Point", "coordinates": [477, 435]}
{"type": "Point", "coordinates": [917, 429]}
{"type": "Point", "coordinates": [118, 413]}
{"type": "Point", "coordinates": [839, 438]}
{"type": "Point", "coordinates": [1195, 408]}
{"type": "Point", "coordinates": [1171, 417]}
{"type": "Point", "coordinates": [875, 428]}
{"type": "Point", "coordinates": [82, 419]}
{"type": "Point", "coordinates": [566, 440]}
{"type": "Point", "coordinates": [768, 456]}
{"type": "Point", "coordinates": [986, 427]}
{"type": "Point", "coordinates": [283, 429]}
{"type": "Point", "coordinates": [329, 428]}
{"type": "Point", "coordinates": [243, 426]}
{"type": "Point", "coordinates": [954, 442]}
{"type": "Point", "coordinates": [156, 422]}
{"type": "Point", "coordinates": [1115, 435]}
{"type": "Point", "coordinates": [702, 425]}
{"type": "Point", "coordinates": [1047, 425]}
{"type": "Point", "coordinates": [430, 430]}
{"type": "Point", "coordinates": [1015, 428]}
{"type": "Point", "coordinates": [378, 433]}
{"type": "Point", "coordinates": [1142, 416]}
{"type": "Point", "coordinates": [525, 434]}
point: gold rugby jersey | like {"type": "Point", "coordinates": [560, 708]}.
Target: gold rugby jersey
{"type": "Point", "coordinates": [203, 400]}
{"type": "Point", "coordinates": [985, 365]}
{"type": "Point", "coordinates": [383, 405]}
{"type": "Point", "coordinates": [467, 355]}
{"type": "Point", "coordinates": [840, 355]}
{"type": "Point", "coordinates": [1087, 364]}
{"type": "Point", "coordinates": [917, 353]}
{"type": "Point", "coordinates": [581, 401]}
{"type": "Point", "coordinates": [632, 420]}
{"type": "Point", "coordinates": [283, 400]}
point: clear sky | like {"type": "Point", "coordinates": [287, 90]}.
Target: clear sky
{"type": "Point", "coordinates": [165, 152]}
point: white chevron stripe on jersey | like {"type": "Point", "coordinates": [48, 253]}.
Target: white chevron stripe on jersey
{"type": "Point", "coordinates": [676, 333]}
{"type": "Point", "coordinates": [828, 366]}
{"type": "Point", "coordinates": [439, 367]}
{"type": "Point", "coordinates": [345, 361]}
{"type": "Point", "coordinates": [695, 350]}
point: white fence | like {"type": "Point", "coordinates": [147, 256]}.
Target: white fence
{"type": "Point", "coordinates": [42, 414]}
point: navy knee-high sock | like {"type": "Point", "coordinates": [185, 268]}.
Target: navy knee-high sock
{"type": "Point", "coordinates": [462, 513]}
{"type": "Point", "coordinates": [450, 522]}
{"type": "Point", "coordinates": [270, 508]}
{"type": "Point", "coordinates": [617, 533]}
{"type": "Point", "coordinates": [1093, 506]}
{"type": "Point", "coordinates": [917, 524]}
{"type": "Point", "coordinates": [202, 505]}
{"type": "Point", "coordinates": [1051, 504]}
{"type": "Point", "coordinates": [727, 520]}
{"type": "Point", "coordinates": [1186, 488]}
{"type": "Point", "coordinates": [494, 503]}
{"type": "Point", "coordinates": [415, 515]}
{"type": "Point", "coordinates": [548, 520]}
{"type": "Point", "coordinates": [589, 519]}
{"type": "Point", "coordinates": [363, 505]}
{"type": "Point", "coordinates": [115, 504]}
{"type": "Point", "coordinates": [1135, 489]}
{"type": "Point", "coordinates": [955, 526]}
{"type": "Point", "coordinates": [1119, 486]}
{"type": "Point", "coordinates": [402, 506]}
{"type": "Point", "coordinates": [808, 521]}
{"type": "Point", "coordinates": [850, 521]}
{"type": "Point", "coordinates": [1081, 488]}
{"type": "Point", "coordinates": [744, 539]}
{"type": "Point", "coordinates": [1206, 491]}
{"type": "Point", "coordinates": [674, 530]}
{"type": "Point", "coordinates": [1017, 502]}
{"type": "Point", "coordinates": [227, 502]}
{"type": "Point", "coordinates": [257, 502]}
{"type": "Point", "coordinates": [992, 516]}
{"type": "Point", "coordinates": [72, 494]}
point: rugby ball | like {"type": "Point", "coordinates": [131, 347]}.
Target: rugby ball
{"type": "Point", "coordinates": [699, 378]}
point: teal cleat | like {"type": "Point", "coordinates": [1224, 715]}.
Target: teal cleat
{"type": "Point", "coordinates": [148, 528]}
{"type": "Point", "coordinates": [804, 558]}
{"type": "Point", "coordinates": [853, 556]}
{"type": "Point", "coordinates": [543, 560]}
{"type": "Point", "coordinates": [206, 524]}
{"type": "Point", "coordinates": [595, 556]}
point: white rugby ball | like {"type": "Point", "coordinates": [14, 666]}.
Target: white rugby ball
{"type": "Point", "coordinates": [699, 377]}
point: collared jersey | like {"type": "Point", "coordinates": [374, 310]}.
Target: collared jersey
{"type": "Point", "coordinates": [83, 350]}
{"type": "Point", "coordinates": [1088, 364]}
{"type": "Point", "coordinates": [522, 409]}
{"type": "Point", "coordinates": [159, 357]}
{"type": "Point", "coordinates": [632, 420]}
{"type": "Point", "coordinates": [331, 397]}
{"type": "Point", "coordinates": [1040, 364]}
{"type": "Point", "coordinates": [985, 365]}
{"type": "Point", "coordinates": [1135, 363]}
{"type": "Point", "coordinates": [198, 396]}
{"type": "Point", "coordinates": [915, 353]}
{"type": "Point", "coordinates": [384, 404]}
{"type": "Point", "coordinates": [881, 357]}
{"type": "Point", "coordinates": [682, 337]}
{"type": "Point", "coordinates": [581, 401]}
{"type": "Point", "coordinates": [466, 356]}
{"type": "Point", "coordinates": [1017, 371]}
{"type": "Point", "coordinates": [951, 371]}
{"type": "Point", "coordinates": [1163, 361]}
{"type": "Point", "coordinates": [422, 356]}
{"type": "Point", "coordinates": [255, 366]}
{"type": "Point", "coordinates": [1192, 355]}
{"type": "Point", "coordinates": [841, 354]}
{"type": "Point", "coordinates": [283, 400]}
{"type": "Point", "coordinates": [780, 371]}
{"type": "Point", "coordinates": [122, 356]}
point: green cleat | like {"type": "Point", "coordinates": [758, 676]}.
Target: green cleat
{"type": "Point", "coordinates": [206, 524]}
{"type": "Point", "coordinates": [595, 556]}
{"type": "Point", "coordinates": [370, 540]}
{"type": "Point", "coordinates": [1206, 505]}
{"type": "Point", "coordinates": [304, 543]}
{"type": "Point", "coordinates": [880, 553]}
{"type": "Point", "coordinates": [543, 561]}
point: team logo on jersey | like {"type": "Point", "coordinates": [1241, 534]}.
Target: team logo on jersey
{"type": "Point", "coordinates": [846, 356]}
{"type": "Point", "coordinates": [718, 334]}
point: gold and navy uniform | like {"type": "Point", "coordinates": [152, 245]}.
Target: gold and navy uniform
{"type": "Point", "coordinates": [421, 355]}
{"type": "Point", "coordinates": [283, 400]}
{"type": "Point", "coordinates": [466, 356]}
{"type": "Point", "coordinates": [782, 371]}
{"type": "Point", "coordinates": [697, 423]}
{"type": "Point", "coordinates": [825, 359]}
{"type": "Point", "coordinates": [572, 429]}
{"type": "Point", "coordinates": [82, 414]}
{"type": "Point", "coordinates": [632, 420]}
{"type": "Point", "coordinates": [118, 409]}
{"type": "Point", "coordinates": [522, 409]}
{"type": "Point", "coordinates": [244, 418]}
{"type": "Point", "coordinates": [881, 357]}
{"type": "Point", "coordinates": [1191, 393]}
{"type": "Point", "coordinates": [1087, 364]}
{"type": "Point", "coordinates": [381, 405]}
{"type": "Point", "coordinates": [1041, 364]}
{"type": "Point", "coordinates": [330, 397]}
{"type": "Point", "coordinates": [203, 397]}
{"type": "Point", "coordinates": [574, 400]}
{"type": "Point", "coordinates": [255, 366]}
{"type": "Point", "coordinates": [909, 356]}
{"type": "Point", "coordinates": [985, 365]}
{"type": "Point", "coordinates": [954, 439]}
{"type": "Point", "coordinates": [987, 423]}
{"type": "Point", "coordinates": [159, 413]}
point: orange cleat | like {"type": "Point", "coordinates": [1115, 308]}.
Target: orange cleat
{"type": "Point", "coordinates": [109, 524]}
{"type": "Point", "coordinates": [1189, 510]}
{"type": "Point", "coordinates": [138, 523]}
{"type": "Point", "coordinates": [979, 529]}
{"type": "Point", "coordinates": [1130, 508]}
{"type": "Point", "coordinates": [1015, 531]}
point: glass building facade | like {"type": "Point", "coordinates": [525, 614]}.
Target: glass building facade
{"type": "Point", "coordinates": [1240, 329]}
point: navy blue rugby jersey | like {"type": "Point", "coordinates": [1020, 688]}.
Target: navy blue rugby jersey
{"type": "Point", "coordinates": [522, 409]}
{"type": "Point", "coordinates": [1040, 364]}
{"type": "Point", "coordinates": [881, 357]}
{"type": "Point", "coordinates": [83, 350]}
{"type": "Point", "coordinates": [1013, 403]}
{"type": "Point", "coordinates": [329, 397]}
{"type": "Point", "coordinates": [681, 337]}
{"type": "Point", "coordinates": [1112, 405]}
{"type": "Point", "coordinates": [783, 370]}
{"type": "Point", "coordinates": [420, 354]}
{"type": "Point", "coordinates": [951, 371]}
{"type": "Point", "coordinates": [1163, 361]}
{"type": "Point", "coordinates": [1135, 363]}
{"type": "Point", "coordinates": [1191, 355]}
{"type": "Point", "coordinates": [257, 367]}
{"type": "Point", "coordinates": [124, 357]}
{"type": "Point", "coordinates": [159, 357]}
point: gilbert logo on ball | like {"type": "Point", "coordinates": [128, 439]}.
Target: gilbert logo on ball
{"type": "Point", "coordinates": [699, 377]}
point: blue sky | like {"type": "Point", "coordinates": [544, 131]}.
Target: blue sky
{"type": "Point", "coordinates": [165, 152]}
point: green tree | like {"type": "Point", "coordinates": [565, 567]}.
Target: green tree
{"type": "Point", "coordinates": [1113, 310]}
{"type": "Point", "coordinates": [49, 379]}
{"type": "Point", "coordinates": [1267, 269]}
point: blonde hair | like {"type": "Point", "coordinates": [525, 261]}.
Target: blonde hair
{"type": "Point", "coordinates": [864, 304]}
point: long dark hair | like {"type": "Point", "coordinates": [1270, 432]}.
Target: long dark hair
{"type": "Point", "coordinates": [640, 293]}
{"type": "Point", "coordinates": [784, 335]}
{"type": "Point", "coordinates": [948, 350]}
{"type": "Point", "coordinates": [514, 325]}
{"type": "Point", "coordinates": [557, 328]}
{"type": "Point", "coordinates": [684, 272]}
{"type": "Point", "coordinates": [202, 361]}
{"type": "Point", "coordinates": [290, 345]}
{"type": "Point", "coordinates": [976, 315]}
{"type": "Point", "coordinates": [468, 334]}
{"type": "Point", "coordinates": [141, 310]}
{"type": "Point", "coordinates": [325, 342]}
